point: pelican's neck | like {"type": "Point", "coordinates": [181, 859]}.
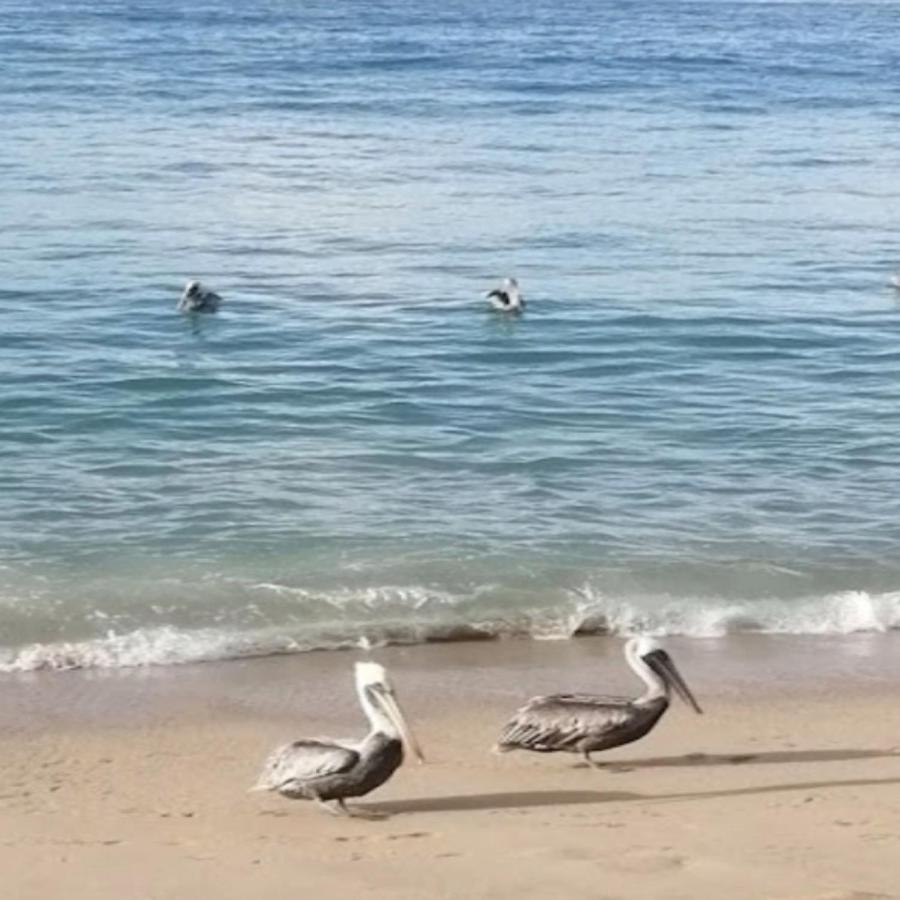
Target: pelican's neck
{"type": "Point", "coordinates": [379, 721]}
{"type": "Point", "coordinates": [656, 686]}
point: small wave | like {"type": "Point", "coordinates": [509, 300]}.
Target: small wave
{"type": "Point", "coordinates": [841, 613]}
{"type": "Point", "coordinates": [173, 646]}
{"type": "Point", "coordinates": [588, 613]}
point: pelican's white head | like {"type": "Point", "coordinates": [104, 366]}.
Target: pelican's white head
{"type": "Point", "coordinates": [193, 288]}
{"type": "Point", "coordinates": [369, 673]}
{"type": "Point", "coordinates": [649, 659]}
{"type": "Point", "coordinates": [511, 289]}
{"type": "Point", "coordinates": [643, 645]}
{"type": "Point", "coordinates": [376, 694]}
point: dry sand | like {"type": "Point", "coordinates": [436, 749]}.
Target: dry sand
{"type": "Point", "coordinates": [133, 784]}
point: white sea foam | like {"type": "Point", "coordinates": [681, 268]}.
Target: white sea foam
{"type": "Point", "coordinates": [587, 613]}
{"type": "Point", "coordinates": [840, 613]}
{"type": "Point", "coordinates": [142, 647]}
{"type": "Point", "coordinates": [410, 597]}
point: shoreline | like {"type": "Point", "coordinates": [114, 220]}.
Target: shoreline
{"type": "Point", "coordinates": [134, 782]}
{"type": "Point", "coordinates": [359, 627]}
{"type": "Point", "coordinates": [317, 682]}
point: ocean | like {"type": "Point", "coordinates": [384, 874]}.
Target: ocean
{"type": "Point", "coordinates": [693, 429]}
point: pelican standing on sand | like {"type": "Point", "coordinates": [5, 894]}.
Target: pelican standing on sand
{"type": "Point", "coordinates": [585, 723]}
{"type": "Point", "coordinates": [197, 298]}
{"type": "Point", "coordinates": [507, 297]}
{"type": "Point", "coordinates": [329, 771]}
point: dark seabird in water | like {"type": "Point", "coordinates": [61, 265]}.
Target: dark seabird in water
{"type": "Point", "coordinates": [197, 299]}
{"type": "Point", "coordinates": [507, 297]}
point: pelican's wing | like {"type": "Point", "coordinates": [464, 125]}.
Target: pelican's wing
{"type": "Point", "coordinates": [561, 721]}
{"type": "Point", "coordinates": [303, 761]}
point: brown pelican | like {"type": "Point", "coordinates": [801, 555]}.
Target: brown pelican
{"type": "Point", "coordinates": [327, 770]}
{"type": "Point", "coordinates": [507, 298]}
{"type": "Point", "coordinates": [584, 723]}
{"type": "Point", "coordinates": [197, 298]}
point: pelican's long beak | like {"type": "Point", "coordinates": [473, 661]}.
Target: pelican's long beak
{"type": "Point", "coordinates": [393, 712]}
{"type": "Point", "coordinates": [663, 665]}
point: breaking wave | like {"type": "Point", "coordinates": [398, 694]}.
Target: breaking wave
{"type": "Point", "coordinates": [587, 612]}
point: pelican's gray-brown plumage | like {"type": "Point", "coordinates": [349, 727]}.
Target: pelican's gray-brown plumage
{"type": "Point", "coordinates": [326, 770]}
{"type": "Point", "coordinates": [507, 297]}
{"type": "Point", "coordinates": [586, 723]}
{"type": "Point", "coordinates": [197, 299]}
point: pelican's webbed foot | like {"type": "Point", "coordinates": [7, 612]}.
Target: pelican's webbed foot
{"type": "Point", "coordinates": [592, 763]}
{"type": "Point", "coordinates": [339, 808]}
{"type": "Point", "coordinates": [333, 807]}
{"type": "Point", "coordinates": [370, 814]}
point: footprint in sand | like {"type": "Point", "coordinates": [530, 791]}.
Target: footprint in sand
{"type": "Point", "coordinates": [644, 863]}
{"type": "Point", "coordinates": [647, 862]}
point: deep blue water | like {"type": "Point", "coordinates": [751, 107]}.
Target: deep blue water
{"type": "Point", "coordinates": [694, 427]}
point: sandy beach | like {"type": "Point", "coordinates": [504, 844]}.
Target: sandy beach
{"type": "Point", "coordinates": [134, 783]}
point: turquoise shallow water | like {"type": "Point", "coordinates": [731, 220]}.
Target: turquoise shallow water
{"type": "Point", "coordinates": [695, 427]}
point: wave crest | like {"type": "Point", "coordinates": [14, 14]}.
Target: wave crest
{"type": "Point", "coordinates": [588, 612]}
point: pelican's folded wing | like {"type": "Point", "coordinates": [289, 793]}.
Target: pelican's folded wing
{"type": "Point", "coordinates": [305, 760]}
{"type": "Point", "coordinates": [562, 721]}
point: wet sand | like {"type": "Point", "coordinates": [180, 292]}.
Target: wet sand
{"type": "Point", "coordinates": [134, 783]}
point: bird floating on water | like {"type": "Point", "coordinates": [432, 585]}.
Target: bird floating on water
{"type": "Point", "coordinates": [585, 723]}
{"type": "Point", "coordinates": [197, 298]}
{"type": "Point", "coordinates": [329, 771]}
{"type": "Point", "coordinates": [507, 298]}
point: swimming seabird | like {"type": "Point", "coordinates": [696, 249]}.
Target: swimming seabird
{"type": "Point", "coordinates": [507, 298]}
{"type": "Point", "coordinates": [585, 723]}
{"type": "Point", "coordinates": [197, 298]}
{"type": "Point", "coordinates": [329, 771]}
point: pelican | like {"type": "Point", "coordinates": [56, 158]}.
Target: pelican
{"type": "Point", "coordinates": [507, 298]}
{"type": "Point", "coordinates": [585, 723]}
{"type": "Point", "coordinates": [895, 280]}
{"type": "Point", "coordinates": [197, 298]}
{"type": "Point", "coordinates": [329, 771]}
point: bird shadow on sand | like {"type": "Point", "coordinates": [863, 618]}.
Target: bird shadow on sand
{"type": "Point", "coordinates": [690, 760]}
{"type": "Point", "coordinates": [777, 788]}
{"type": "Point", "coordinates": [532, 799]}
{"type": "Point", "coordinates": [511, 800]}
